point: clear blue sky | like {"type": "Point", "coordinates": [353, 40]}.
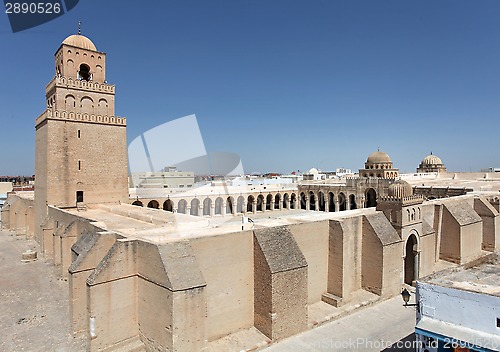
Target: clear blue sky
{"type": "Point", "coordinates": [285, 84]}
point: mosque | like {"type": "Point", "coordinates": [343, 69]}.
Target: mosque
{"type": "Point", "coordinates": [185, 277]}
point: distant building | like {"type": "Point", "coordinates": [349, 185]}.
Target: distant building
{"type": "Point", "coordinates": [341, 172]}
{"type": "Point", "coordinates": [459, 309]}
{"type": "Point", "coordinates": [491, 169]}
{"type": "Point", "coordinates": [169, 178]}
{"type": "Point", "coordinates": [431, 163]}
{"type": "Point", "coordinates": [314, 175]}
{"type": "Point", "coordinates": [5, 187]}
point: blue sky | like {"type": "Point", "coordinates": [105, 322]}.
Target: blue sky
{"type": "Point", "coordinates": [287, 85]}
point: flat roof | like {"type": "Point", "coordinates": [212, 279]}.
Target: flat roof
{"type": "Point", "coordinates": [483, 277]}
{"type": "Point", "coordinates": [160, 226]}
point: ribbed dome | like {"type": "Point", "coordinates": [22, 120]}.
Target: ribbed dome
{"type": "Point", "coordinates": [80, 41]}
{"type": "Point", "coordinates": [432, 160]}
{"type": "Point", "coordinates": [378, 157]}
{"type": "Point", "coordinates": [400, 189]}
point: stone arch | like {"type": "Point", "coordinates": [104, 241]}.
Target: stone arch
{"type": "Point", "coordinates": [229, 205]}
{"type": "Point", "coordinates": [69, 102]}
{"type": "Point", "coordinates": [371, 198]}
{"type": "Point", "coordinates": [303, 200]}
{"type": "Point", "coordinates": [102, 107]}
{"type": "Point", "coordinates": [195, 207]}
{"type": "Point", "coordinates": [269, 201]}
{"type": "Point", "coordinates": [138, 203]}
{"type": "Point", "coordinates": [312, 201]}
{"type": "Point", "coordinates": [411, 261]}
{"type": "Point", "coordinates": [293, 201]}
{"type": "Point", "coordinates": [240, 203]}
{"type": "Point", "coordinates": [331, 201]}
{"type": "Point", "coordinates": [277, 201]}
{"type": "Point", "coordinates": [168, 205]}
{"type": "Point", "coordinates": [408, 214]}
{"type": "Point", "coordinates": [207, 205]}
{"type": "Point", "coordinates": [352, 202]}
{"type": "Point", "coordinates": [286, 199]}
{"type": "Point", "coordinates": [71, 65]}
{"type": "Point", "coordinates": [218, 206]}
{"type": "Point", "coordinates": [342, 201]}
{"type": "Point", "coordinates": [86, 103]}
{"type": "Point", "coordinates": [181, 206]}
{"type": "Point", "coordinates": [250, 203]}
{"type": "Point", "coordinates": [321, 201]}
{"type": "Point", "coordinates": [154, 204]}
{"type": "Point", "coordinates": [260, 201]}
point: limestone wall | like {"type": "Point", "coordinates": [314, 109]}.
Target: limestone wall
{"type": "Point", "coordinates": [313, 241]}
{"type": "Point", "coordinates": [226, 262]}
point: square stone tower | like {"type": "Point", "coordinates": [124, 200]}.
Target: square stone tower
{"type": "Point", "coordinates": [81, 146]}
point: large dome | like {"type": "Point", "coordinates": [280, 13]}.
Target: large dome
{"type": "Point", "coordinates": [80, 41]}
{"type": "Point", "coordinates": [432, 160]}
{"type": "Point", "coordinates": [378, 157]}
{"type": "Point", "coordinates": [400, 189]}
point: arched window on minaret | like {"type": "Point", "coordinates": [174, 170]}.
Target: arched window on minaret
{"type": "Point", "coordinates": [84, 73]}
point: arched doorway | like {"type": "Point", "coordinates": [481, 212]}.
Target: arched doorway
{"type": "Point", "coordinates": [285, 201]}
{"type": "Point", "coordinates": [207, 206]}
{"type": "Point", "coordinates": [293, 200]}
{"type": "Point", "coordinates": [411, 260]}
{"type": "Point", "coordinates": [138, 203]}
{"type": "Point", "coordinates": [250, 204]}
{"type": "Point", "coordinates": [312, 201]}
{"type": "Point", "coordinates": [218, 206]}
{"type": "Point", "coordinates": [342, 202]}
{"type": "Point", "coordinates": [168, 205]}
{"type": "Point", "coordinates": [181, 206]}
{"type": "Point", "coordinates": [321, 201]}
{"type": "Point", "coordinates": [352, 201]}
{"type": "Point", "coordinates": [331, 201]}
{"type": "Point", "coordinates": [229, 205]}
{"type": "Point", "coordinates": [303, 201]}
{"type": "Point", "coordinates": [260, 201]}
{"type": "Point", "coordinates": [371, 198]}
{"type": "Point", "coordinates": [269, 201]}
{"type": "Point", "coordinates": [277, 200]}
{"type": "Point", "coordinates": [195, 206]}
{"type": "Point", "coordinates": [154, 204]}
{"type": "Point", "coordinates": [239, 204]}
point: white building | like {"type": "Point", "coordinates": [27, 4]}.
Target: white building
{"type": "Point", "coordinates": [459, 309]}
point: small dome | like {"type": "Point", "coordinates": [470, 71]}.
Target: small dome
{"type": "Point", "coordinates": [313, 171]}
{"type": "Point", "coordinates": [378, 157]}
{"type": "Point", "coordinates": [400, 189]}
{"type": "Point", "coordinates": [80, 41]}
{"type": "Point", "coordinates": [432, 160]}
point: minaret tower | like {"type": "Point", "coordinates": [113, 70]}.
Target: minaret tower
{"type": "Point", "coordinates": [81, 146]}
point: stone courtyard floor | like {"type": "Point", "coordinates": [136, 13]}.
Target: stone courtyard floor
{"type": "Point", "coordinates": [34, 309]}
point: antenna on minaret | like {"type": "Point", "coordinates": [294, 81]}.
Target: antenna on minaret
{"type": "Point", "coordinates": [79, 27]}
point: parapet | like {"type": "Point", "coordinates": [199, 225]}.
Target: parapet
{"type": "Point", "coordinates": [50, 114]}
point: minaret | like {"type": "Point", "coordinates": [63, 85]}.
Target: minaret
{"type": "Point", "coordinates": [81, 146]}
